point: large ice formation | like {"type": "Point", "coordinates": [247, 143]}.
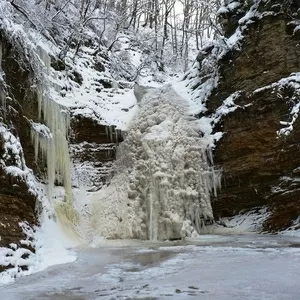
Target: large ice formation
{"type": "Point", "coordinates": [164, 176]}
{"type": "Point", "coordinates": [50, 140]}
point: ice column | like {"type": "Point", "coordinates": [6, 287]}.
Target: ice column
{"type": "Point", "coordinates": [52, 143]}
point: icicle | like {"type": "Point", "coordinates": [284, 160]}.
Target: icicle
{"type": "Point", "coordinates": [53, 145]}
{"type": "Point", "coordinates": [111, 133]}
{"type": "Point", "coordinates": [45, 58]}
{"type": "Point", "coordinates": [151, 229]}
{"type": "Point", "coordinates": [39, 100]}
{"type": "Point", "coordinates": [106, 131]}
{"type": "Point", "coordinates": [117, 135]}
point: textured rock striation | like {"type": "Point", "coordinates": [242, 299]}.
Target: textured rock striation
{"type": "Point", "coordinates": [93, 150]}
{"type": "Point", "coordinates": [259, 150]}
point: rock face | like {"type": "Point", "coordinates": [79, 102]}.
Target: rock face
{"type": "Point", "coordinates": [17, 205]}
{"type": "Point", "coordinates": [17, 202]}
{"type": "Point", "coordinates": [260, 165]}
{"type": "Point", "coordinates": [93, 148]}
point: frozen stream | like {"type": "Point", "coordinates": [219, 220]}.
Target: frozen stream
{"type": "Point", "coordinates": [211, 267]}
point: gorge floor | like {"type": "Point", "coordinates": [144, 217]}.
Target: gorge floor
{"type": "Point", "coordinates": [209, 267]}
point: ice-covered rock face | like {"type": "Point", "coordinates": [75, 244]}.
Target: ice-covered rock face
{"type": "Point", "coordinates": [164, 177]}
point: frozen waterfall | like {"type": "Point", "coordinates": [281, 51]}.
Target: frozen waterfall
{"type": "Point", "coordinates": [50, 141]}
{"type": "Point", "coordinates": [164, 176]}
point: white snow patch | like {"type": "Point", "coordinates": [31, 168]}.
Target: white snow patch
{"type": "Point", "coordinates": [292, 81]}
{"type": "Point", "coordinates": [240, 224]}
{"type": "Point", "coordinates": [293, 230]}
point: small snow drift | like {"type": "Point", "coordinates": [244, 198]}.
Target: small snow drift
{"type": "Point", "coordinates": [164, 176]}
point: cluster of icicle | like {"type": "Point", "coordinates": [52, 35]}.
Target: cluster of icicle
{"type": "Point", "coordinates": [165, 176]}
{"type": "Point", "coordinates": [50, 141]}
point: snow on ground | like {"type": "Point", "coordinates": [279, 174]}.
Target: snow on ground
{"type": "Point", "coordinates": [293, 230]}
{"type": "Point", "coordinates": [212, 268]}
{"type": "Point", "coordinates": [196, 105]}
{"type": "Point", "coordinates": [249, 222]}
{"type": "Point", "coordinates": [181, 88]}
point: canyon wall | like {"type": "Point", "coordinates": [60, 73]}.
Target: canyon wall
{"type": "Point", "coordinates": [259, 151]}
